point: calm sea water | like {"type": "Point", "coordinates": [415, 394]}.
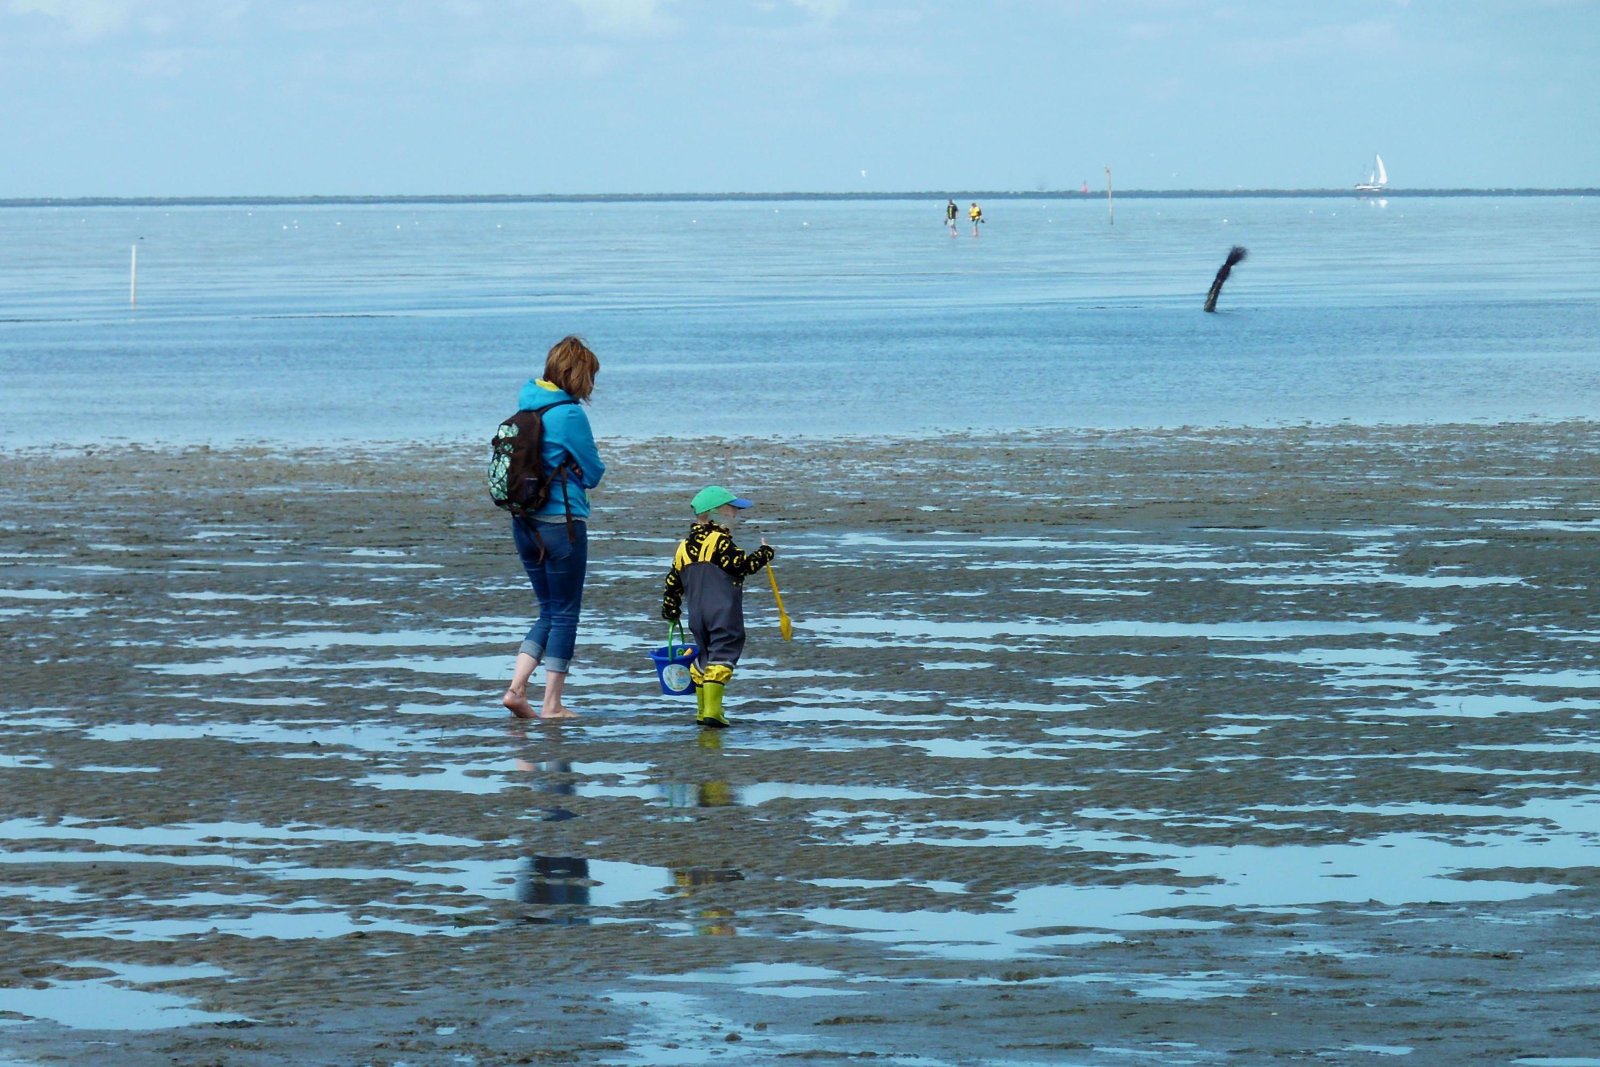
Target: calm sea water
{"type": "Point", "coordinates": [323, 324]}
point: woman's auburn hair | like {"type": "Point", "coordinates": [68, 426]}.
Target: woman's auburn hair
{"type": "Point", "coordinates": [571, 366]}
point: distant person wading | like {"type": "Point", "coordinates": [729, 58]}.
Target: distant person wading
{"type": "Point", "coordinates": [553, 540]}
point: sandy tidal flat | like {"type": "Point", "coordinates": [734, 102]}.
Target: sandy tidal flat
{"type": "Point", "coordinates": [1206, 747]}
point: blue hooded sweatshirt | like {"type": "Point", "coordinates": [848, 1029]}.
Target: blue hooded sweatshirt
{"type": "Point", "coordinates": [566, 433]}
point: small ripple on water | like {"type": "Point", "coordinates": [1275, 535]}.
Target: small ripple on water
{"type": "Point", "coordinates": [767, 979]}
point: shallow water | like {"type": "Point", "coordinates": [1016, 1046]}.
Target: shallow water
{"type": "Point", "coordinates": [114, 1003]}
{"type": "Point", "coordinates": [1415, 311]}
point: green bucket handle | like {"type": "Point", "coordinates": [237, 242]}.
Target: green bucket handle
{"type": "Point", "coordinates": [675, 627]}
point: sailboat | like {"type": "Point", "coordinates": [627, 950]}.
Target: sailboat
{"type": "Point", "coordinates": [1377, 179]}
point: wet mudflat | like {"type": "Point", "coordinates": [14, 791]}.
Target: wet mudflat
{"type": "Point", "coordinates": [1199, 747]}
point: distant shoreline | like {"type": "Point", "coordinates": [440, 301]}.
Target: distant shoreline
{"type": "Point", "coordinates": [667, 198]}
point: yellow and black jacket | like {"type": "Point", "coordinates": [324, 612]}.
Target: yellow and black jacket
{"type": "Point", "coordinates": [709, 543]}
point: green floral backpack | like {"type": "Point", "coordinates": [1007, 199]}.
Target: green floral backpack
{"type": "Point", "coordinates": [518, 481]}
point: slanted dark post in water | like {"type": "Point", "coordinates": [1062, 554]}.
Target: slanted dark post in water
{"type": "Point", "coordinates": [1111, 208]}
{"type": "Point", "coordinates": [1236, 254]}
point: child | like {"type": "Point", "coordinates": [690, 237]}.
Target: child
{"type": "Point", "coordinates": [709, 571]}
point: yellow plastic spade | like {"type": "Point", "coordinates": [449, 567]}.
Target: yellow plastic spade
{"type": "Point", "coordinates": [785, 627]}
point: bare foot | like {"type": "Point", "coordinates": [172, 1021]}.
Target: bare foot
{"type": "Point", "coordinates": [517, 704]}
{"type": "Point", "coordinates": [560, 713]}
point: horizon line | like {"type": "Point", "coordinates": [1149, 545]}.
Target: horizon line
{"type": "Point", "coordinates": [689, 197]}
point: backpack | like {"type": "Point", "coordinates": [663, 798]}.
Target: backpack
{"type": "Point", "coordinates": [518, 481]}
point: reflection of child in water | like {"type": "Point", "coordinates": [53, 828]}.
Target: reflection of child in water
{"type": "Point", "coordinates": [708, 572]}
{"type": "Point", "coordinates": [715, 921]}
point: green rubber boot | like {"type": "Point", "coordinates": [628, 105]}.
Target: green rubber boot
{"type": "Point", "coordinates": [699, 701]}
{"type": "Point", "coordinates": [711, 705]}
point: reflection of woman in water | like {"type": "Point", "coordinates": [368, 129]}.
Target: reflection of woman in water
{"type": "Point", "coordinates": [555, 880]}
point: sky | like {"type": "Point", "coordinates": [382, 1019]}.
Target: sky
{"type": "Point", "coordinates": [131, 98]}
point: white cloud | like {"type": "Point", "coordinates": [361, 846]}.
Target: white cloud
{"type": "Point", "coordinates": [165, 63]}
{"type": "Point", "coordinates": [325, 18]}
{"type": "Point", "coordinates": [622, 16]}
{"type": "Point", "coordinates": [825, 10]}
{"type": "Point", "coordinates": [81, 19]}
{"type": "Point", "coordinates": [518, 64]}
{"type": "Point", "coordinates": [90, 21]}
{"type": "Point", "coordinates": [1370, 37]}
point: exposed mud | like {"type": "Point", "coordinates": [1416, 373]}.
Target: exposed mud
{"type": "Point", "coordinates": [1214, 747]}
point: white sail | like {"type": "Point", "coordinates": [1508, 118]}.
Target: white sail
{"type": "Point", "coordinates": [1376, 179]}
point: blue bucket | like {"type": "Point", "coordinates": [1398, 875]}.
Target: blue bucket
{"type": "Point", "coordinates": [672, 665]}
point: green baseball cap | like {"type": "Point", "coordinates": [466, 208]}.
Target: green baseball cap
{"type": "Point", "coordinates": [713, 497]}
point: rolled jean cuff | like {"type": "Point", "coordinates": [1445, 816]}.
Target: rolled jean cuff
{"type": "Point", "coordinates": [528, 648]}
{"type": "Point", "coordinates": [557, 664]}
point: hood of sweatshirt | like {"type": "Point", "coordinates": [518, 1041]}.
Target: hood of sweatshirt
{"type": "Point", "coordinates": [537, 393]}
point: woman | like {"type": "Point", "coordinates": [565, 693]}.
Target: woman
{"type": "Point", "coordinates": [554, 540]}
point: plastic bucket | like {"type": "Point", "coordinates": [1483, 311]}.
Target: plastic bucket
{"type": "Point", "coordinates": [672, 667]}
